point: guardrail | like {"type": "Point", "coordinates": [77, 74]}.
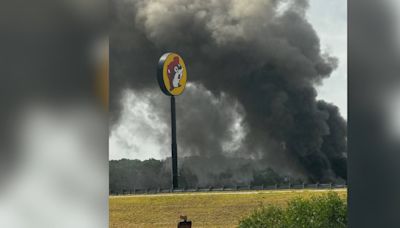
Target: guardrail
{"type": "Point", "coordinates": [228, 188]}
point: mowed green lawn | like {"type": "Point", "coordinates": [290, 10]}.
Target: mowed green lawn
{"type": "Point", "coordinates": [215, 209]}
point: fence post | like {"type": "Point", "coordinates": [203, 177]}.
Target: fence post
{"type": "Point", "coordinates": [276, 186]}
{"type": "Point", "coordinates": [262, 187]}
{"type": "Point", "coordinates": [303, 185]}
{"type": "Point", "coordinates": [317, 185]}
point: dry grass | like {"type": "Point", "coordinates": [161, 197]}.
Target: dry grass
{"type": "Point", "coordinates": [204, 209]}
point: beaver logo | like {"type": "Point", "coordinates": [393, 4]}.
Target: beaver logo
{"type": "Point", "coordinates": [171, 74]}
{"type": "Point", "coordinates": [175, 72]}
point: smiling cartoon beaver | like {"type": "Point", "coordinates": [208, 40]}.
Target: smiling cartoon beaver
{"type": "Point", "coordinates": [175, 72]}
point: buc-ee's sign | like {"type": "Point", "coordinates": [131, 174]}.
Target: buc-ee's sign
{"type": "Point", "coordinates": [171, 74]}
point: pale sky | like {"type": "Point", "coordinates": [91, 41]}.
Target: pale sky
{"type": "Point", "coordinates": [329, 19]}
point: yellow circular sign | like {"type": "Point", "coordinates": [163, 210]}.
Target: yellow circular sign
{"type": "Point", "coordinates": [172, 74]}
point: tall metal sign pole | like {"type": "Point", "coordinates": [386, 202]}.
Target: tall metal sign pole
{"type": "Point", "coordinates": [174, 146]}
{"type": "Point", "coordinates": [172, 76]}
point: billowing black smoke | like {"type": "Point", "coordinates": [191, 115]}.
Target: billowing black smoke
{"type": "Point", "coordinates": [253, 64]}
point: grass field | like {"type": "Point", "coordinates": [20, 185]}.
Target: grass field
{"type": "Point", "coordinates": [223, 209]}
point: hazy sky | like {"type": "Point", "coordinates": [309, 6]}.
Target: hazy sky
{"type": "Point", "coordinates": [329, 19]}
{"type": "Point", "coordinates": [130, 138]}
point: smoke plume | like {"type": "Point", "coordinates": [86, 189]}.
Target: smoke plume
{"type": "Point", "coordinates": [252, 67]}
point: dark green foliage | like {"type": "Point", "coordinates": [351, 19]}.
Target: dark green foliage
{"type": "Point", "coordinates": [271, 216]}
{"type": "Point", "coordinates": [267, 177]}
{"type": "Point", "coordinates": [130, 174]}
{"type": "Point", "coordinates": [187, 178]}
{"type": "Point", "coordinates": [326, 211]}
{"type": "Point", "coordinates": [127, 175]}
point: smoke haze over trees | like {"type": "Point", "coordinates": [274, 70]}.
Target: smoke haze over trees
{"type": "Point", "coordinates": [251, 102]}
{"type": "Point", "coordinates": [152, 174]}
